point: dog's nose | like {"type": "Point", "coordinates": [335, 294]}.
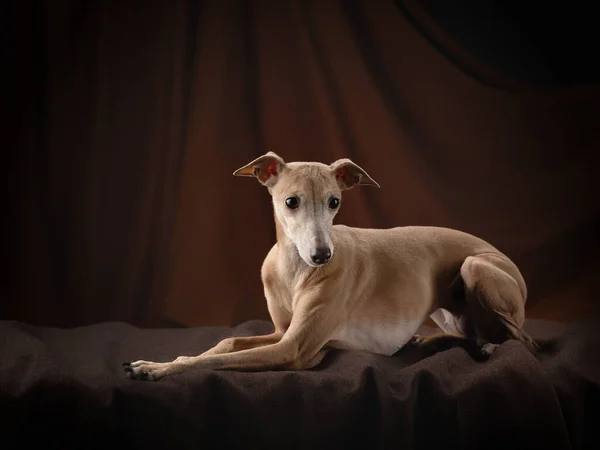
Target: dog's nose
{"type": "Point", "coordinates": [320, 255]}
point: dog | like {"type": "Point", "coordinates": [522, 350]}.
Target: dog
{"type": "Point", "coordinates": [334, 286]}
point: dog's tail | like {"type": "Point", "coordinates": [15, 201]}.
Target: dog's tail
{"type": "Point", "coordinates": [519, 333]}
{"type": "Point", "coordinates": [529, 342]}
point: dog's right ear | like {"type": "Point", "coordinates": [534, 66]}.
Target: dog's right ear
{"type": "Point", "coordinates": [265, 168]}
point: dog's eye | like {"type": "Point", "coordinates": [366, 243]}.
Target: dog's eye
{"type": "Point", "coordinates": [292, 202]}
{"type": "Point", "coordinates": [334, 202]}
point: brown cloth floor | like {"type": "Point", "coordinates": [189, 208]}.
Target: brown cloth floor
{"type": "Point", "coordinates": [65, 389]}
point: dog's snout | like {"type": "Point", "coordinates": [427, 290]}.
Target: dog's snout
{"type": "Point", "coordinates": [320, 255]}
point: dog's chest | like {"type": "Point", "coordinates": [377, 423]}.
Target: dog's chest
{"type": "Point", "coordinates": [294, 277]}
{"type": "Point", "coordinates": [384, 338]}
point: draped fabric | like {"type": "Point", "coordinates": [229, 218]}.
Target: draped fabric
{"type": "Point", "coordinates": [127, 122]}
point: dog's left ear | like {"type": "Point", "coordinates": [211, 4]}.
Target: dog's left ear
{"type": "Point", "coordinates": [265, 168]}
{"type": "Point", "coordinates": [349, 174]}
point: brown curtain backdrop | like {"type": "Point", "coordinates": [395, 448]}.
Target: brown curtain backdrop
{"type": "Point", "coordinates": [99, 95]}
{"type": "Point", "coordinates": [129, 121]}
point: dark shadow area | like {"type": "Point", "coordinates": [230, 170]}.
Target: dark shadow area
{"type": "Point", "coordinates": [543, 45]}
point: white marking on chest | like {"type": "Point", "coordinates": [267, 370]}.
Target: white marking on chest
{"type": "Point", "coordinates": [382, 338]}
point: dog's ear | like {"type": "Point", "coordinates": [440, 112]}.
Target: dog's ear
{"type": "Point", "coordinates": [349, 174]}
{"type": "Point", "coordinates": [265, 168]}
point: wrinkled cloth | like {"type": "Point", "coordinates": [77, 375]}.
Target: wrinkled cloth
{"type": "Point", "coordinates": [66, 388]}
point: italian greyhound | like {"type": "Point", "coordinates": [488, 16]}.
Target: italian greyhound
{"type": "Point", "coordinates": [333, 286]}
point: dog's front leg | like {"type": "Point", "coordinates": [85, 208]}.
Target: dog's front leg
{"type": "Point", "coordinates": [312, 324]}
{"type": "Point", "coordinates": [280, 318]}
{"type": "Point", "coordinates": [236, 344]}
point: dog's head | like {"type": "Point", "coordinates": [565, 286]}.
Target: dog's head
{"type": "Point", "coordinates": [306, 198]}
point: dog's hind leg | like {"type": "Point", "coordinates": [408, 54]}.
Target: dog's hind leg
{"type": "Point", "coordinates": [454, 333]}
{"type": "Point", "coordinates": [447, 323]}
{"type": "Point", "coordinates": [495, 294]}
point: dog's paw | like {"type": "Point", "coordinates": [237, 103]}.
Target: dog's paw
{"type": "Point", "coordinates": [144, 370]}
{"type": "Point", "coordinates": [418, 339]}
{"type": "Point", "coordinates": [488, 349]}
